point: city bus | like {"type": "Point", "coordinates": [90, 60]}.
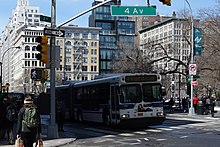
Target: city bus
{"type": "Point", "coordinates": [119, 99]}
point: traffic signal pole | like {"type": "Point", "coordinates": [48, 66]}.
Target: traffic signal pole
{"type": "Point", "coordinates": [52, 128]}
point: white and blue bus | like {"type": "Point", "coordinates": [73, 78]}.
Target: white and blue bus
{"type": "Point", "coordinates": [128, 98]}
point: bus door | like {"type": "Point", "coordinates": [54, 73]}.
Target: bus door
{"type": "Point", "coordinates": [114, 110]}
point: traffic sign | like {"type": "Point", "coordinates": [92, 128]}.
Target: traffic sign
{"type": "Point", "coordinates": [192, 69]}
{"type": "Point", "coordinates": [45, 18]}
{"type": "Point", "coordinates": [54, 32]}
{"type": "Point", "coordinates": [133, 10]}
{"type": "Point", "coordinates": [194, 83]}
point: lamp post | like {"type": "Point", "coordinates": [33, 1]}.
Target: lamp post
{"type": "Point", "coordinates": [191, 109]}
{"type": "Point", "coordinates": [2, 57]}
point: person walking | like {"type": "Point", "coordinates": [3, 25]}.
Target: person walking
{"type": "Point", "coordinates": [171, 103]}
{"type": "Point", "coordinates": [212, 105]}
{"type": "Point", "coordinates": [184, 104]}
{"type": "Point", "coordinates": [29, 123]}
{"type": "Point", "coordinates": [207, 105]}
{"type": "Point", "coordinates": [195, 103]}
{"type": "Point", "coordinates": [3, 124]}
{"type": "Point", "coordinates": [11, 118]}
{"type": "Point", "coordinates": [60, 114]}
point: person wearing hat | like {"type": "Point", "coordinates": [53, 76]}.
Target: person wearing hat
{"type": "Point", "coordinates": [26, 131]}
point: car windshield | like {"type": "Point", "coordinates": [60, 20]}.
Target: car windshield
{"type": "Point", "coordinates": [152, 92]}
{"type": "Point", "coordinates": [131, 94]}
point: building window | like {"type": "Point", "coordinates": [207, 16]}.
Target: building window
{"type": "Point", "coordinates": [27, 48]}
{"type": "Point", "coordinates": [68, 43]}
{"type": "Point", "coordinates": [84, 68]}
{"type": "Point", "coordinates": [94, 51]}
{"type": "Point", "coordinates": [93, 60]}
{"type": "Point", "coordinates": [85, 36]}
{"type": "Point", "coordinates": [34, 48]}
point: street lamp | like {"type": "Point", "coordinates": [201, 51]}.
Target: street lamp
{"type": "Point", "coordinates": [2, 57]}
{"type": "Point", "coordinates": [191, 109]}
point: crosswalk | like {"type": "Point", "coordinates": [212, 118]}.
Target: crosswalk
{"type": "Point", "coordinates": [171, 125]}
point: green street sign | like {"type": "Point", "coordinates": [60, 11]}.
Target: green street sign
{"type": "Point", "coordinates": [190, 79]}
{"type": "Point", "coordinates": [133, 10]}
{"type": "Point", "coordinates": [45, 18]}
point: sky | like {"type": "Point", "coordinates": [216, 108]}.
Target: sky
{"type": "Point", "coordinates": [66, 9]}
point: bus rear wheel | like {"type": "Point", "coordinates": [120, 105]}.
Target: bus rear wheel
{"type": "Point", "coordinates": [80, 118]}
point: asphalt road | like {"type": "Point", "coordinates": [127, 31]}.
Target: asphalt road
{"type": "Point", "coordinates": [175, 132]}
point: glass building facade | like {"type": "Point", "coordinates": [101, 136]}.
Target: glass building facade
{"type": "Point", "coordinates": [114, 29]}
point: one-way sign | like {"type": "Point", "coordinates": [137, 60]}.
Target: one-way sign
{"type": "Point", "coordinates": [54, 32]}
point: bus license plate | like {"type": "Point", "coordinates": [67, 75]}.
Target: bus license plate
{"type": "Point", "coordinates": [140, 114]}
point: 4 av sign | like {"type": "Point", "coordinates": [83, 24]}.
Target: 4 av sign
{"type": "Point", "coordinates": [132, 10]}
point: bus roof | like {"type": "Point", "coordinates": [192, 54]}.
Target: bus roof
{"type": "Point", "coordinates": [109, 78]}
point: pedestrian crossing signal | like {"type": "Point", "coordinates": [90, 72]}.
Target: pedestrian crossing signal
{"type": "Point", "coordinates": [36, 74]}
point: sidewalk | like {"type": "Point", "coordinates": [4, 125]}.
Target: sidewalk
{"type": "Point", "coordinates": [64, 137]}
{"type": "Point", "coordinates": [181, 115]}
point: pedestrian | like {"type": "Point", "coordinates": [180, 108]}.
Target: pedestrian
{"type": "Point", "coordinates": [29, 123]}
{"type": "Point", "coordinates": [2, 118]}
{"type": "Point", "coordinates": [171, 103]}
{"type": "Point", "coordinates": [207, 105]}
{"type": "Point", "coordinates": [184, 104]}
{"type": "Point", "coordinates": [11, 118]}
{"type": "Point", "coordinates": [212, 105]}
{"type": "Point", "coordinates": [195, 103]}
{"type": "Point", "coordinates": [60, 114]}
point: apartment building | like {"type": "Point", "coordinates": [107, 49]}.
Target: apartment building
{"type": "Point", "coordinates": [171, 35]}
{"type": "Point", "coordinates": [79, 51]}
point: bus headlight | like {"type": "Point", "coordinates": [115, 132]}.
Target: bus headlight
{"type": "Point", "coordinates": [159, 113]}
{"type": "Point", "coordinates": [125, 116]}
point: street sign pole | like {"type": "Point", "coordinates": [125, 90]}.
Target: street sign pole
{"type": "Point", "coordinates": [52, 128]}
{"type": "Point", "coordinates": [191, 109]}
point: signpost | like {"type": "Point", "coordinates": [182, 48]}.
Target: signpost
{"type": "Point", "coordinates": [133, 10]}
{"type": "Point", "coordinates": [54, 32]}
{"type": "Point", "coordinates": [45, 18]}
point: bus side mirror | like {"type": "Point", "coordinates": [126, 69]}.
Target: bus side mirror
{"type": "Point", "coordinates": [163, 91]}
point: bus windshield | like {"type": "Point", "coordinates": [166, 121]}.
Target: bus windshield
{"type": "Point", "coordinates": [151, 92]}
{"type": "Point", "coordinates": [131, 94]}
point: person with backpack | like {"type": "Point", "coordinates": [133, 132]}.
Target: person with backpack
{"type": "Point", "coordinates": [11, 118]}
{"type": "Point", "coordinates": [29, 123]}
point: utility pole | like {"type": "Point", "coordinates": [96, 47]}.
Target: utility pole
{"type": "Point", "coordinates": [52, 128]}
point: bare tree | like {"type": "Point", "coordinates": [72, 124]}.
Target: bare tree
{"type": "Point", "coordinates": [131, 59]}
{"type": "Point", "coordinates": [209, 61]}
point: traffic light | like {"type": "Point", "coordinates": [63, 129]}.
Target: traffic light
{"type": "Point", "coordinates": [166, 2]}
{"type": "Point", "coordinates": [42, 48]}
